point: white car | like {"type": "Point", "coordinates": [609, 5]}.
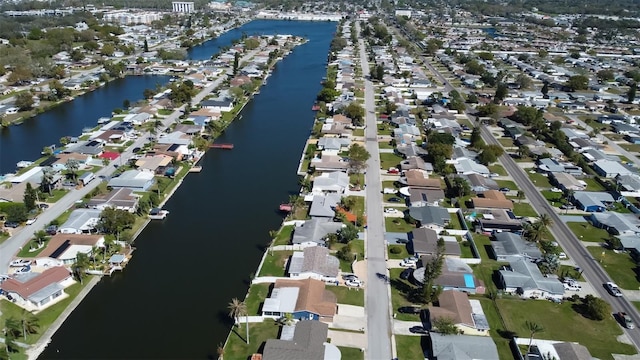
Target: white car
{"type": "Point", "coordinates": [31, 221]}
{"type": "Point", "coordinates": [405, 263]}
{"type": "Point", "coordinates": [562, 256]}
{"type": "Point", "coordinates": [20, 263]}
{"type": "Point", "coordinates": [353, 283]}
{"type": "Point", "coordinates": [390, 211]}
{"type": "Point", "coordinates": [556, 190]}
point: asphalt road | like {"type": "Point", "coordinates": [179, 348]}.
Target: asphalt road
{"type": "Point", "coordinates": [377, 302]}
{"type": "Point", "coordinates": [21, 236]}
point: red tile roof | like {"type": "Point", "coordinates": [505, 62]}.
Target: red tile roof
{"type": "Point", "coordinates": [26, 289]}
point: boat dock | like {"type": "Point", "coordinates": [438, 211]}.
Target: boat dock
{"type": "Point", "coordinates": [221, 146]}
{"type": "Point", "coordinates": [195, 169]}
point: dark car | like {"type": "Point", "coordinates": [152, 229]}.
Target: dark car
{"type": "Point", "coordinates": [402, 241]}
{"type": "Point", "coordinates": [52, 229]}
{"type": "Point", "coordinates": [43, 206]}
{"type": "Point", "coordinates": [418, 330]}
{"type": "Point", "coordinates": [395, 199]}
{"type": "Point", "coordinates": [406, 273]}
{"type": "Point", "coordinates": [136, 150]}
{"type": "Point", "coordinates": [505, 189]}
{"type": "Point", "coordinates": [409, 310]}
{"type": "Point", "coordinates": [11, 224]}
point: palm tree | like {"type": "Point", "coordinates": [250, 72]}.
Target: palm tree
{"type": "Point", "coordinates": [47, 179]}
{"type": "Point", "coordinates": [520, 195]}
{"type": "Point", "coordinates": [29, 324]}
{"type": "Point", "coordinates": [72, 167]}
{"type": "Point", "coordinates": [545, 220]}
{"type": "Point", "coordinates": [238, 308]}
{"type": "Point", "coordinates": [533, 329]}
{"type": "Point", "coordinates": [220, 351]}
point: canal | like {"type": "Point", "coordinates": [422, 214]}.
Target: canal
{"type": "Point", "coordinates": [171, 302]}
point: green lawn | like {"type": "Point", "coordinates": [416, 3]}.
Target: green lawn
{"type": "Point", "coordinates": [410, 347]}
{"type": "Point", "coordinates": [257, 294]}
{"type": "Point", "coordinates": [636, 304]}
{"type": "Point", "coordinates": [397, 225]}
{"type": "Point", "coordinates": [507, 184]}
{"type": "Point", "coordinates": [349, 353]}
{"type": "Point", "coordinates": [498, 169]}
{"type": "Point", "coordinates": [455, 221]}
{"type": "Point", "coordinates": [348, 295]}
{"type": "Point", "coordinates": [540, 180]}
{"type": "Point", "coordinates": [498, 334]}
{"type": "Point", "coordinates": [385, 145]}
{"type": "Point", "coordinates": [506, 141]}
{"type": "Point", "coordinates": [556, 199]}
{"type": "Point", "coordinates": [356, 179]}
{"type": "Point", "coordinates": [56, 195]}
{"type": "Point", "coordinates": [403, 251]}
{"type": "Point", "coordinates": [358, 132]}
{"type": "Point", "coordinates": [45, 317]}
{"type": "Point", "coordinates": [631, 147]}
{"type": "Point", "coordinates": [284, 235]}
{"type": "Point", "coordinates": [401, 292]}
{"type": "Point", "coordinates": [598, 336]}
{"type": "Point", "coordinates": [388, 160]}
{"type": "Point", "coordinates": [465, 250]}
{"type": "Point", "coordinates": [620, 267]}
{"type": "Point", "coordinates": [587, 232]}
{"type": "Point", "coordinates": [593, 185]}
{"type": "Point", "coordinates": [524, 209]}
{"type": "Point", "coordinates": [274, 263]}
{"type": "Point", "coordinates": [25, 249]}
{"type": "Point", "coordinates": [389, 184]}
{"type": "Point", "coordinates": [237, 348]}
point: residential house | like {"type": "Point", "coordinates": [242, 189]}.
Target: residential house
{"type": "Point", "coordinates": [625, 129]}
{"type": "Point", "coordinates": [591, 201]}
{"type": "Point", "coordinates": [191, 129]}
{"type": "Point", "coordinates": [416, 162]}
{"type": "Point", "coordinates": [314, 232]}
{"type": "Point", "coordinates": [334, 145]}
{"type": "Point", "coordinates": [314, 262]}
{"type": "Point", "coordinates": [567, 182]}
{"type": "Point", "coordinates": [337, 129]}
{"type": "Point", "coordinates": [121, 199]}
{"type": "Point", "coordinates": [36, 291]}
{"type": "Point", "coordinates": [91, 147]}
{"type": "Point", "coordinates": [80, 221]}
{"type": "Point", "coordinates": [430, 216]}
{"type": "Point", "coordinates": [610, 169]}
{"type": "Point", "coordinates": [110, 137]}
{"type": "Point", "coordinates": [455, 305]}
{"type": "Point", "coordinates": [138, 119]}
{"type": "Point", "coordinates": [511, 247]}
{"type": "Point", "coordinates": [424, 196]}
{"type": "Point", "coordinates": [331, 182]}
{"type": "Point", "coordinates": [629, 183]}
{"type": "Point", "coordinates": [456, 275]}
{"type": "Point", "coordinates": [410, 150]}
{"type": "Point", "coordinates": [218, 105]}
{"type": "Point", "coordinates": [425, 242]}
{"type": "Point", "coordinates": [419, 179]}
{"type": "Point", "coordinates": [63, 249]}
{"type": "Point", "coordinates": [548, 165]}
{"type": "Point", "coordinates": [462, 347]}
{"type": "Point", "coordinates": [135, 180]}
{"type": "Point", "coordinates": [329, 163]}
{"type": "Point", "coordinates": [480, 183]}
{"type": "Point", "coordinates": [616, 223]}
{"type": "Point", "coordinates": [324, 205]}
{"type": "Point", "coordinates": [468, 166]}
{"type": "Point", "coordinates": [306, 339]}
{"type": "Point", "coordinates": [176, 151]}
{"type": "Point", "coordinates": [492, 199]}
{"type": "Point", "coordinates": [156, 164]}
{"type": "Point", "coordinates": [176, 137]}
{"type": "Point", "coordinates": [498, 220]}
{"type": "Point", "coordinates": [304, 299]}
{"type": "Point", "coordinates": [525, 279]}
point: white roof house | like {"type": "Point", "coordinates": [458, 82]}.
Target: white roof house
{"type": "Point", "coordinates": [80, 221]}
{"type": "Point", "coordinates": [610, 169]}
{"type": "Point", "coordinates": [336, 182]}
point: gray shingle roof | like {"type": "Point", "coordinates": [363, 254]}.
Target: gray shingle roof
{"type": "Point", "coordinates": [430, 215]}
{"type": "Point", "coordinates": [463, 347]}
{"type": "Point", "coordinates": [314, 259]}
{"type": "Point", "coordinates": [526, 275]}
{"type": "Point", "coordinates": [513, 247]}
{"type": "Point", "coordinates": [315, 230]}
{"type": "Point", "coordinates": [308, 343]}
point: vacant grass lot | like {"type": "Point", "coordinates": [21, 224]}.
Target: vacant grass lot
{"type": "Point", "coordinates": [540, 180]}
{"type": "Point", "coordinates": [587, 232]}
{"type": "Point", "coordinates": [388, 160]}
{"type": "Point", "coordinates": [524, 209]}
{"type": "Point", "coordinates": [598, 336]}
{"type": "Point", "coordinates": [348, 295]}
{"type": "Point", "coordinates": [620, 267]}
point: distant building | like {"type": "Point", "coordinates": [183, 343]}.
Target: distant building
{"type": "Point", "coordinates": [183, 6]}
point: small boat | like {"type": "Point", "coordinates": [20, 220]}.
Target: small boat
{"type": "Point", "coordinates": [315, 108]}
{"type": "Point", "coordinates": [24, 164]}
{"type": "Point", "coordinates": [221, 146]}
{"type": "Point", "coordinates": [158, 214]}
{"type": "Point", "coordinates": [286, 207]}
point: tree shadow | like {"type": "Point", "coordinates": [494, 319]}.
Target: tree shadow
{"type": "Point", "coordinates": [489, 250]}
{"type": "Point", "coordinates": [507, 334]}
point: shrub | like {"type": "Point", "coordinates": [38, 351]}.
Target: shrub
{"type": "Point", "coordinates": [395, 250]}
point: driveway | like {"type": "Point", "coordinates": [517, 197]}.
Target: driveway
{"type": "Point", "coordinates": [349, 317]}
{"type": "Point", "coordinates": [348, 339]}
{"type": "Point", "coordinates": [402, 327]}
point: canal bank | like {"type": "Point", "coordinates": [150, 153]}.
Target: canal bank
{"type": "Point", "coordinates": [171, 302]}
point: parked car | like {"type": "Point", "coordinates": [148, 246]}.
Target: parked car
{"type": "Point", "coordinates": [353, 283]}
{"type": "Point", "coordinates": [505, 189]}
{"type": "Point", "coordinates": [43, 206]}
{"type": "Point", "coordinates": [408, 264]}
{"type": "Point", "coordinates": [349, 277]}
{"type": "Point", "coordinates": [402, 241]}
{"type": "Point", "coordinates": [494, 175]}
{"type": "Point", "coordinates": [406, 273]}
{"type": "Point", "coordinates": [556, 190]}
{"type": "Point", "coordinates": [23, 270]}
{"type": "Point", "coordinates": [409, 310]}
{"type": "Point", "coordinates": [391, 211]}
{"type": "Point", "coordinates": [418, 330]}
{"type": "Point", "coordinates": [562, 256]}
{"type": "Point", "coordinates": [31, 221]}
{"type": "Point", "coordinates": [567, 207]}
{"type": "Point", "coordinates": [11, 224]}
{"type": "Point", "coordinates": [20, 263]}
{"type": "Point", "coordinates": [52, 229]}
{"type": "Point", "coordinates": [613, 289]}
{"type": "Point", "coordinates": [393, 171]}
{"type": "Point", "coordinates": [394, 199]}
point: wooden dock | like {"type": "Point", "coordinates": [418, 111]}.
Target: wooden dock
{"type": "Point", "coordinates": [221, 146]}
{"type": "Point", "coordinates": [195, 169]}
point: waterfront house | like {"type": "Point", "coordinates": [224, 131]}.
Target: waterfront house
{"type": "Point", "coordinates": [122, 199]}
{"type": "Point", "coordinates": [37, 291]}
{"type": "Point", "coordinates": [304, 299]}
{"type": "Point", "coordinates": [218, 105]}
{"type": "Point", "coordinates": [63, 249]}
{"type": "Point", "coordinates": [90, 147]}
{"type": "Point", "coordinates": [447, 347]}
{"type": "Point", "coordinates": [511, 247]}
{"type": "Point", "coordinates": [331, 182]}
{"type": "Point", "coordinates": [137, 119]}
{"type": "Point", "coordinates": [333, 145]}
{"type": "Point", "coordinates": [433, 217]}
{"type": "Point", "coordinates": [314, 232]}
{"type": "Point", "coordinates": [425, 242]}
{"type": "Point", "coordinates": [324, 205]}
{"type": "Point", "coordinates": [591, 201]}
{"type": "Point", "coordinates": [329, 163]}
{"type": "Point", "coordinates": [455, 305]}
{"type": "Point", "coordinates": [492, 199]}
{"type": "Point", "coordinates": [80, 221]}
{"type": "Point", "coordinates": [135, 180]}
{"type": "Point", "coordinates": [523, 277]}
{"type": "Point", "coordinates": [157, 164]}
{"type": "Point", "coordinates": [305, 339]}
{"type": "Point", "coordinates": [314, 262]}
{"type": "Point", "coordinates": [110, 136]}
{"type": "Point", "coordinates": [174, 138]}
{"type": "Point", "coordinates": [176, 151]}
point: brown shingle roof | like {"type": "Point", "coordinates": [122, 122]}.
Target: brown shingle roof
{"type": "Point", "coordinates": [312, 296]}
{"type": "Point", "coordinates": [492, 199]}
{"type": "Point", "coordinates": [455, 305]}
{"type": "Point", "coordinates": [75, 239]}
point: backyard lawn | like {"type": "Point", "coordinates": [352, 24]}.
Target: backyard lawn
{"type": "Point", "coordinates": [257, 294]}
{"type": "Point", "coordinates": [620, 267]}
{"type": "Point", "coordinates": [598, 336]}
{"type": "Point", "coordinates": [587, 232]}
{"type": "Point", "coordinates": [524, 209]}
{"type": "Point", "coordinates": [284, 235]}
{"type": "Point", "coordinates": [593, 185]}
{"type": "Point", "coordinates": [388, 160]}
{"type": "Point", "coordinates": [236, 346]}
{"type": "Point", "coordinates": [498, 334]}
{"type": "Point", "coordinates": [274, 263]}
{"type": "Point", "coordinates": [348, 295]}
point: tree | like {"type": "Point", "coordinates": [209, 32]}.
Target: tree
{"type": "Point", "coordinates": [72, 166]}
{"type": "Point", "coordinates": [476, 138]}
{"type": "Point", "coordinates": [545, 220]}
{"type": "Point", "coordinates": [358, 157]}
{"type": "Point", "coordinates": [501, 93]}
{"type": "Point", "coordinates": [80, 266]}
{"type": "Point", "coordinates": [605, 75]}
{"type": "Point", "coordinates": [355, 111]}
{"type": "Point", "coordinates": [489, 109]}
{"type": "Point", "coordinates": [445, 325]}
{"type": "Point", "coordinates": [29, 323]}
{"type": "Point", "coordinates": [378, 72]}
{"type": "Point", "coordinates": [520, 195]}
{"type": "Point", "coordinates": [238, 308]}
{"type": "Point", "coordinates": [107, 49]}
{"type": "Point", "coordinates": [631, 94]}
{"type": "Point", "coordinates": [523, 81]}
{"type": "Point", "coordinates": [126, 104]}
{"type": "Point", "coordinates": [533, 328]}
{"type": "Point", "coordinates": [40, 237]}
{"type": "Point", "coordinates": [30, 196]}
{"type": "Point", "coordinates": [47, 179]}
{"type": "Point", "coordinates": [220, 351]}
{"type": "Point", "coordinates": [596, 308]}
{"type": "Point", "coordinates": [146, 46]}
{"type": "Point", "coordinates": [490, 154]}
{"type": "Point", "coordinates": [460, 186]}
{"type": "Point", "coordinates": [578, 82]}
{"type": "Point", "coordinates": [347, 233]}
{"type": "Point", "coordinates": [433, 269]}
{"type": "Point", "coordinates": [24, 101]}
{"type": "Point", "coordinates": [148, 93]}
{"type": "Point", "coordinates": [545, 89]}
{"type": "Point", "coordinates": [114, 221]}
{"type": "Point", "coordinates": [16, 212]}
{"type": "Point", "coordinates": [236, 63]}
{"type": "Point", "coordinates": [251, 43]}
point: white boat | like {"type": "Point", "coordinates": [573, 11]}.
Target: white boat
{"type": "Point", "coordinates": [23, 164]}
{"type": "Point", "coordinates": [158, 214]}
